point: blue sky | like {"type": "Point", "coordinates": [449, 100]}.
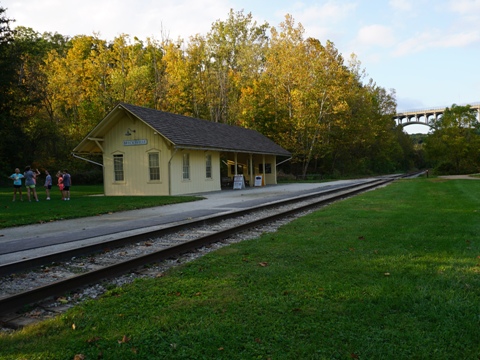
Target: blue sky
{"type": "Point", "coordinates": [427, 50]}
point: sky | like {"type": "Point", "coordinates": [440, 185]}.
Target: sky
{"type": "Point", "coordinates": [428, 51]}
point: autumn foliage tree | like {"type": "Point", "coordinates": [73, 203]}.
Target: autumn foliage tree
{"type": "Point", "coordinates": [298, 91]}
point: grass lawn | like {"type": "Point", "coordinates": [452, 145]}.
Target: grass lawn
{"type": "Point", "coordinates": [86, 200]}
{"type": "Point", "coordinates": [390, 274]}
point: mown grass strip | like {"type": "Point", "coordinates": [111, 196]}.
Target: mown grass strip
{"type": "Point", "coordinates": [86, 200]}
{"type": "Point", "coordinates": [389, 274]}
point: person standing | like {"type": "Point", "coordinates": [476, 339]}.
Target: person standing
{"type": "Point", "coordinates": [17, 184]}
{"type": "Point", "coordinates": [30, 183]}
{"type": "Point", "coordinates": [48, 184]}
{"type": "Point", "coordinates": [35, 174]}
{"type": "Point", "coordinates": [67, 182]}
{"type": "Point", "coordinates": [60, 182]}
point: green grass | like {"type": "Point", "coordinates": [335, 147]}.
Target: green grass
{"type": "Point", "coordinates": [389, 274]}
{"type": "Point", "coordinates": [86, 200]}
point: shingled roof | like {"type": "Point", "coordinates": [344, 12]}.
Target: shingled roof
{"type": "Point", "coordinates": [185, 131]}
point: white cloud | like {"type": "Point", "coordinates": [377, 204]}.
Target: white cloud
{"type": "Point", "coordinates": [402, 5]}
{"type": "Point", "coordinates": [111, 18]}
{"type": "Point", "coordinates": [321, 21]}
{"type": "Point", "coordinates": [330, 11]}
{"type": "Point", "coordinates": [457, 40]}
{"type": "Point", "coordinates": [465, 6]}
{"type": "Point", "coordinates": [376, 35]}
{"type": "Point", "coordinates": [434, 40]}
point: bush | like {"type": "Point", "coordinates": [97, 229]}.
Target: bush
{"type": "Point", "coordinates": [90, 177]}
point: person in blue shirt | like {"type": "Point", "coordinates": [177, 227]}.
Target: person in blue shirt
{"type": "Point", "coordinates": [48, 183]}
{"type": "Point", "coordinates": [67, 182]}
{"type": "Point", "coordinates": [17, 184]}
{"type": "Point", "coordinates": [30, 180]}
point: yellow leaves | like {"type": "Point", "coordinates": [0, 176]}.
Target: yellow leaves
{"type": "Point", "coordinates": [124, 340]}
{"type": "Point", "coordinates": [62, 300]}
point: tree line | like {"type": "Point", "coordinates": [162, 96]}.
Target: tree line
{"type": "Point", "coordinates": [297, 91]}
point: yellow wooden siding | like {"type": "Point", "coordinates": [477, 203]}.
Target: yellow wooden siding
{"type": "Point", "coordinates": [271, 179]}
{"type": "Point", "coordinates": [136, 164]}
{"type": "Point", "coordinates": [135, 160]}
{"type": "Point", "coordinates": [198, 181]}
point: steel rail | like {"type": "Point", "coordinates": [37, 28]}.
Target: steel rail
{"type": "Point", "coordinates": [17, 301]}
{"type": "Point", "coordinates": [25, 264]}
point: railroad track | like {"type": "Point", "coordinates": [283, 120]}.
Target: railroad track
{"type": "Point", "coordinates": [200, 238]}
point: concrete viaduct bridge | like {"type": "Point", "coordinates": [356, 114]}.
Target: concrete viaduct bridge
{"type": "Point", "coordinates": [426, 117]}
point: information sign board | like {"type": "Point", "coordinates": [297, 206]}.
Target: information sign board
{"type": "Point", "coordinates": [238, 182]}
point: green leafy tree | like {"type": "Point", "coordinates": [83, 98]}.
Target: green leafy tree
{"type": "Point", "coordinates": [234, 55]}
{"type": "Point", "coordinates": [33, 106]}
{"type": "Point", "coordinates": [11, 132]}
{"type": "Point", "coordinates": [454, 145]}
{"type": "Point", "coordinates": [9, 59]}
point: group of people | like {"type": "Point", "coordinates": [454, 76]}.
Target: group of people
{"type": "Point", "coordinates": [64, 181]}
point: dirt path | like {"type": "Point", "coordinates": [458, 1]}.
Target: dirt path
{"type": "Point", "coordinates": [460, 177]}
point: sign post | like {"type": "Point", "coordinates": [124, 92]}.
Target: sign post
{"type": "Point", "coordinates": [238, 182]}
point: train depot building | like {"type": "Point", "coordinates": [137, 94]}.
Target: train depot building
{"type": "Point", "coordinates": [151, 152]}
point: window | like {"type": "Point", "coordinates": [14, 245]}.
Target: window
{"type": "Point", "coordinates": [186, 166]}
{"type": "Point", "coordinates": [208, 166]}
{"type": "Point", "coordinates": [268, 168]}
{"type": "Point", "coordinates": [154, 166]}
{"type": "Point", "coordinates": [239, 169]}
{"type": "Point", "coordinates": [118, 168]}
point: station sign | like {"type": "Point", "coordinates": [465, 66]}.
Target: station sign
{"type": "Point", "coordinates": [135, 142]}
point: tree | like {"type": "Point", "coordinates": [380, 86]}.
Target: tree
{"type": "Point", "coordinates": [32, 101]}
{"type": "Point", "coordinates": [8, 60]}
{"type": "Point", "coordinates": [298, 92]}
{"type": "Point", "coordinates": [454, 145]}
{"type": "Point", "coordinates": [234, 56]}
{"type": "Point", "coordinates": [12, 151]}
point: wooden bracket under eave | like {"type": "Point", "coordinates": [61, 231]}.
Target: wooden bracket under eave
{"type": "Point", "coordinates": [97, 141]}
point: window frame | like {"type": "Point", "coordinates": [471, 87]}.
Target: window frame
{"type": "Point", "coordinates": [118, 168]}
{"type": "Point", "coordinates": [151, 168]}
{"type": "Point", "coordinates": [186, 167]}
{"type": "Point", "coordinates": [267, 170]}
{"type": "Point", "coordinates": [208, 166]}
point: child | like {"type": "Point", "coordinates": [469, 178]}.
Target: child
{"type": "Point", "coordinates": [17, 184]}
{"type": "Point", "coordinates": [48, 184]}
{"type": "Point", "coordinates": [60, 182]}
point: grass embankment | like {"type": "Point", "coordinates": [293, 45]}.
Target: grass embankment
{"type": "Point", "coordinates": [84, 202]}
{"type": "Point", "coordinates": [389, 274]}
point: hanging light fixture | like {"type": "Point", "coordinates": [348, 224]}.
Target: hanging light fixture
{"type": "Point", "coordinates": [129, 132]}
